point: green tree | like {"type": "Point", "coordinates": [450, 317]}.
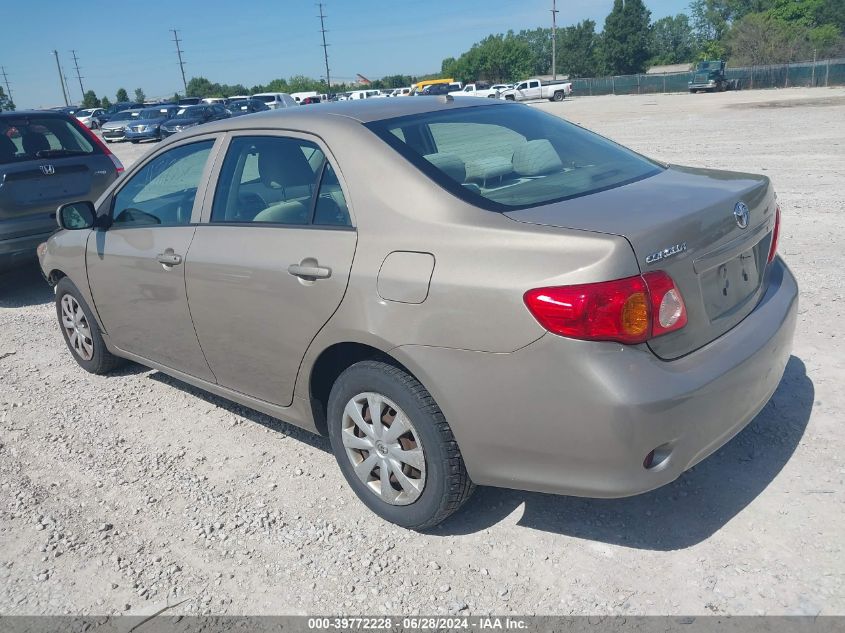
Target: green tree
{"type": "Point", "coordinates": [90, 100]}
{"type": "Point", "coordinates": [105, 103]}
{"type": "Point", "coordinates": [121, 96]}
{"type": "Point", "coordinates": [140, 97]}
{"type": "Point", "coordinates": [758, 39]}
{"type": "Point", "coordinates": [5, 102]}
{"type": "Point", "coordinates": [625, 42]}
{"type": "Point", "coordinates": [672, 40]}
{"type": "Point", "coordinates": [199, 87]}
{"type": "Point", "coordinates": [578, 49]}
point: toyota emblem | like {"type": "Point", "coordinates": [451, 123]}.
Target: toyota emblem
{"type": "Point", "coordinates": [741, 214]}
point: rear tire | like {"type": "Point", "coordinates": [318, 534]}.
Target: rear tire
{"type": "Point", "coordinates": [81, 331]}
{"type": "Point", "coordinates": [424, 479]}
{"type": "Point", "coordinates": [559, 96]}
{"type": "Point", "coordinates": [509, 98]}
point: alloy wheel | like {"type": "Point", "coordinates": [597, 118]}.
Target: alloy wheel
{"type": "Point", "coordinates": [76, 327]}
{"type": "Point", "coordinates": [384, 448]}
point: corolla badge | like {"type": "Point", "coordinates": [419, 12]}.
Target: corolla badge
{"type": "Point", "coordinates": [47, 170]}
{"type": "Point", "coordinates": [741, 214]}
{"type": "Point", "coordinates": [666, 252]}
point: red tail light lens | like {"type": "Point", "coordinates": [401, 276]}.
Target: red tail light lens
{"type": "Point", "coordinates": [630, 310]}
{"type": "Point", "coordinates": [773, 249]}
{"type": "Point", "coordinates": [96, 140]}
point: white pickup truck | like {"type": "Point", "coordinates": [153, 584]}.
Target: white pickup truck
{"type": "Point", "coordinates": [476, 90]}
{"type": "Point", "coordinates": [538, 89]}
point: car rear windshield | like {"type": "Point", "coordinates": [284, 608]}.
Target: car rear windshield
{"type": "Point", "coordinates": [29, 138]}
{"type": "Point", "coordinates": [512, 156]}
{"type": "Point", "coordinates": [265, 98]}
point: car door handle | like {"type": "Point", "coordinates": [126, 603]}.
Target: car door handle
{"type": "Point", "coordinates": [310, 273]}
{"type": "Point", "coordinates": [169, 258]}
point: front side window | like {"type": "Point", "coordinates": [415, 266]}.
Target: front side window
{"type": "Point", "coordinates": [162, 192]}
{"type": "Point", "coordinates": [278, 180]}
{"type": "Point", "coordinates": [510, 157]}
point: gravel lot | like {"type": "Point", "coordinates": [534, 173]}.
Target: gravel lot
{"type": "Point", "coordinates": [128, 493]}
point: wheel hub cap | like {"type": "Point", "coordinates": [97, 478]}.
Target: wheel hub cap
{"type": "Point", "coordinates": [384, 448]}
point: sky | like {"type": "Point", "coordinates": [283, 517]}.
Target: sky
{"type": "Point", "coordinates": [129, 44]}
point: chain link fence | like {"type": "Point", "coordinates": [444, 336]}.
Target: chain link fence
{"type": "Point", "coordinates": [824, 72]}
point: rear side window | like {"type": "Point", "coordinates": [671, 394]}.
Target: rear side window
{"type": "Point", "coordinates": [31, 138]}
{"type": "Point", "coordinates": [278, 180]}
{"type": "Point", "coordinates": [511, 156]}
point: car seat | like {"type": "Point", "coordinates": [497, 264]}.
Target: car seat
{"type": "Point", "coordinates": [34, 142]}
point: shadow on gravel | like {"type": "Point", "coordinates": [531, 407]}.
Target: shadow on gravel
{"type": "Point", "coordinates": [680, 514]}
{"type": "Point", "coordinates": [289, 430]}
{"type": "Point", "coordinates": [24, 286]}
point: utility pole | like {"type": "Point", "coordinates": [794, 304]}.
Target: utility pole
{"type": "Point", "coordinates": [554, 39]}
{"type": "Point", "coordinates": [325, 46]}
{"type": "Point", "coordinates": [78, 76]}
{"type": "Point", "coordinates": [6, 81]}
{"type": "Point", "coordinates": [61, 76]}
{"type": "Point", "coordinates": [181, 63]}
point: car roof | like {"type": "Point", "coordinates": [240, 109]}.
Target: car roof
{"type": "Point", "coordinates": [25, 113]}
{"type": "Point", "coordinates": [362, 111]}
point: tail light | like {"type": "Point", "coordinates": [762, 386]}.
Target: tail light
{"type": "Point", "coordinates": [631, 310]}
{"type": "Point", "coordinates": [773, 249]}
{"type": "Point", "coordinates": [96, 140]}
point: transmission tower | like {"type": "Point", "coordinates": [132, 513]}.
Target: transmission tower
{"type": "Point", "coordinates": [6, 81]}
{"type": "Point", "coordinates": [78, 76]}
{"type": "Point", "coordinates": [325, 46]}
{"type": "Point", "coordinates": [179, 55]}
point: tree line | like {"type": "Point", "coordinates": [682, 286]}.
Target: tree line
{"type": "Point", "coordinates": [744, 32]}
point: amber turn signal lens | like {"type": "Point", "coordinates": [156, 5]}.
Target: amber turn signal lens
{"type": "Point", "coordinates": [635, 319]}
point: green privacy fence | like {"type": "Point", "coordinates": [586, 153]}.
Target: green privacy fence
{"type": "Point", "coordinates": [824, 72]}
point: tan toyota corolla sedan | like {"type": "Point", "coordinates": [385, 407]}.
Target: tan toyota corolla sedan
{"type": "Point", "coordinates": [456, 292]}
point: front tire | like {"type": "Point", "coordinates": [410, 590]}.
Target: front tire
{"type": "Point", "coordinates": [81, 332]}
{"type": "Point", "coordinates": [404, 463]}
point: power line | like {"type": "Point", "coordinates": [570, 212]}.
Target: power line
{"type": "Point", "coordinates": [325, 46]}
{"type": "Point", "coordinates": [554, 39]}
{"type": "Point", "coordinates": [179, 55]}
{"type": "Point", "coordinates": [78, 76]}
{"type": "Point", "coordinates": [61, 77]}
{"type": "Point", "coordinates": [6, 80]}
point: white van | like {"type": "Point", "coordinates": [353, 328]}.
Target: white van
{"type": "Point", "coordinates": [213, 100]}
{"type": "Point", "coordinates": [276, 100]}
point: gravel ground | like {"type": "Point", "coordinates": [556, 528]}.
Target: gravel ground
{"type": "Point", "coordinates": [132, 492]}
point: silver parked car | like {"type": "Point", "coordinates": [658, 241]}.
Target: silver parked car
{"type": "Point", "coordinates": [494, 296]}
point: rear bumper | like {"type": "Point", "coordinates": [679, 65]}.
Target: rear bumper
{"type": "Point", "coordinates": [574, 417]}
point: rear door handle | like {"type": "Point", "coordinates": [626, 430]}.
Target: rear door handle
{"type": "Point", "coordinates": [309, 273]}
{"type": "Point", "coordinates": [169, 258]}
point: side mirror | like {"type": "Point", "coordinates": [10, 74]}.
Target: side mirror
{"type": "Point", "coordinates": [74, 216]}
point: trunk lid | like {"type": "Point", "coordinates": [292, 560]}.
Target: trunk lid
{"type": "Point", "coordinates": [682, 221]}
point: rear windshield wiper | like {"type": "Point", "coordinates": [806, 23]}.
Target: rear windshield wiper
{"type": "Point", "coordinates": [46, 153]}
